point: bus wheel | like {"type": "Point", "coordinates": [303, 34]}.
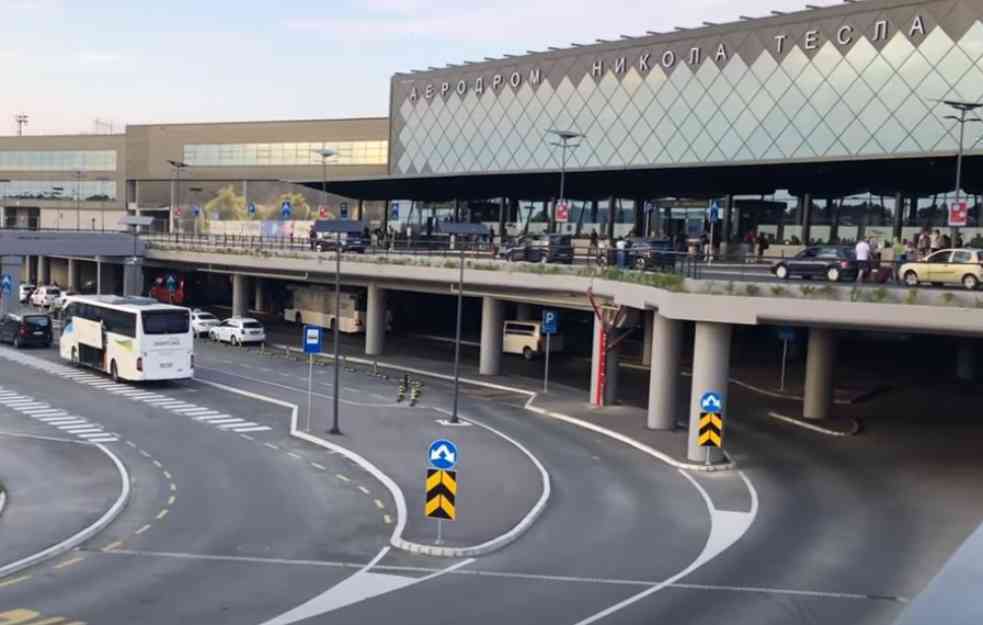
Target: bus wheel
{"type": "Point", "coordinates": [113, 373]}
{"type": "Point", "coordinates": [527, 353]}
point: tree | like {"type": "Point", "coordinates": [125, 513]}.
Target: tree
{"type": "Point", "coordinates": [299, 209]}
{"type": "Point", "coordinates": [229, 205]}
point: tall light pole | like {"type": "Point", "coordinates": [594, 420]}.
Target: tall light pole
{"type": "Point", "coordinates": [457, 336]}
{"type": "Point", "coordinates": [565, 136]}
{"type": "Point", "coordinates": [962, 120]}
{"type": "Point", "coordinates": [325, 154]}
{"type": "Point", "coordinates": [178, 166]}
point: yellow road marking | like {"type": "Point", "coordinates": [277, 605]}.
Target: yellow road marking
{"type": "Point", "coordinates": [363, 489]}
{"type": "Point", "coordinates": [111, 546]}
{"type": "Point", "coordinates": [162, 514]}
{"type": "Point", "coordinates": [74, 560]}
{"type": "Point", "coordinates": [388, 519]}
{"type": "Point", "coordinates": [343, 478]}
{"type": "Point", "coordinates": [379, 504]}
{"type": "Point", "coordinates": [142, 529]}
{"type": "Point", "coordinates": [170, 501]}
{"type": "Point", "coordinates": [16, 580]}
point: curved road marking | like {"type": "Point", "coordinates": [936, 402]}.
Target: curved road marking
{"type": "Point", "coordinates": [85, 534]}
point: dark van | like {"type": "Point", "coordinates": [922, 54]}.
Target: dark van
{"type": "Point", "coordinates": [26, 329]}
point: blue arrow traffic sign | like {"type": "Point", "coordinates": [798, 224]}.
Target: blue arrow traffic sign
{"type": "Point", "coordinates": [550, 319]}
{"type": "Point", "coordinates": [710, 402]}
{"type": "Point", "coordinates": [171, 283]}
{"type": "Point", "coordinates": [394, 210]}
{"type": "Point", "coordinates": [442, 454]}
{"type": "Point", "coordinates": [714, 212]}
{"type": "Point", "coordinates": [6, 283]}
{"type": "Point", "coordinates": [251, 208]}
{"type": "Point", "coordinates": [285, 209]}
{"type": "Point", "coordinates": [195, 210]}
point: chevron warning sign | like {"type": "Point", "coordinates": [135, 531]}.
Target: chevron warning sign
{"type": "Point", "coordinates": [441, 494]}
{"type": "Point", "coordinates": [711, 430]}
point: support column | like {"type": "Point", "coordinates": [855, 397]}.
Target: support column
{"type": "Point", "coordinates": [501, 219]}
{"type": "Point", "coordinates": [806, 218]}
{"type": "Point", "coordinates": [12, 266]}
{"type": "Point", "coordinates": [819, 374]}
{"type": "Point", "coordinates": [611, 375]}
{"type": "Point", "coordinates": [711, 370]}
{"type": "Point", "coordinates": [457, 211]}
{"type": "Point", "coordinates": [492, 318]}
{"type": "Point", "coordinates": [898, 216]}
{"type": "Point", "coordinates": [74, 284]}
{"type": "Point", "coordinates": [133, 276]}
{"type": "Point", "coordinates": [647, 322]}
{"type": "Point", "coordinates": [523, 312]}
{"type": "Point", "coordinates": [725, 236]}
{"type": "Point", "coordinates": [375, 320]}
{"type": "Point", "coordinates": [238, 295]}
{"type": "Point", "coordinates": [43, 264]}
{"type": "Point", "coordinates": [259, 295]}
{"type": "Point", "coordinates": [639, 227]}
{"type": "Point", "coordinates": [361, 210]}
{"type": "Point", "coordinates": [667, 340]}
{"type": "Point", "coordinates": [965, 361]}
{"type": "Point", "coordinates": [612, 212]}
{"type": "Point", "coordinates": [106, 283]}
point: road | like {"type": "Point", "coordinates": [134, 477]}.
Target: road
{"type": "Point", "coordinates": [254, 532]}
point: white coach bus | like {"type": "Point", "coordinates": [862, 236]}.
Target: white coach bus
{"type": "Point", "coordinates": [130, 338]}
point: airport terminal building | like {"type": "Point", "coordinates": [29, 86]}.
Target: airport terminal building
{"type": "Point", "coordinates": [816, 124]}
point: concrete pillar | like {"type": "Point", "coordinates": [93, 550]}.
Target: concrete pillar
{"type": "Point", "coordinates": [43, 265]}
{"type": "Point", "coordinates": [819, 374]}
{"type": "Point", "coordinates": [239, 308]}
{"type": "Point", "coordinates": [98, 276]}
{"type": "Point", "coordinates": [612, 217]}
{"type": "Point", "coordinates": [492, 318]}
{"type": "Point", "coordinates": [375, 321]}
{"type": "Point", "coordinates": [74, 284]}
{"type": "Point", "coordinates": [648, 319]}
{"type": "Point", "coordinates": [597, 358]}
{"type": "Point", "coordinates": [27, 270]}
{"type": "Point", "coordinates": [259, 295]}
{"type": "Point", "coordinates": [711, 370]}
{"type": "Point", "coordinates": [501, 219]}
{"type": "Point", "coordinates": [965, 361]}
{"type": "Point", "coordinates": [12, 266]}
{"type": "Point", "coordinates": [133, 276]}
{"type": "Point", "coordinates": [806, 216]}
{"type": "Point", "coordinates": [611, 376]}
{"type": "Point", "coordinates": [523, 312]}
{"type": "Point", "coordinates": [106, 279]}
{"type": "Point", "coordinates": [667, 339]}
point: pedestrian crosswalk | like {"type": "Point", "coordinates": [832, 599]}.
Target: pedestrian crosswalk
{"type": "Point", "coordinates": [61, 419]}
{"type": "Point", "coordinates": [202, 414]}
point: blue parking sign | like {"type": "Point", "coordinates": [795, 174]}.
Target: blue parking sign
{"type": "Point", "coordinates": [312, 339]}
{"type": "Point", "coordinates": [285, 209]}
{"type": "Point", "coordinates": [713, 214]}
{"type": "Point", "coordinates": [251, 208]}
{"type": "Point", "coordinates": [195, 210]}
{"type": "Point", "coordinates": [550, 319]}
{"type": "Point", "coordinates": [394, 210]}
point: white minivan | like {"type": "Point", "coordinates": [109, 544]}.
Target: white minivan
{"type": "Point", "coordinates": [527, 338]}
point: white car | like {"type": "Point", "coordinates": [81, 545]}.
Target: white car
{"type": "Point", "coordinates": [237, 331]}
{"type": "Point", "coordinates": [202, 322]}
{"type": "Point", "coordinates": [24, 291]}
{"type": "Point", "coordinates": [44, 296]}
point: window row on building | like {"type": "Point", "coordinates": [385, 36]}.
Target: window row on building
{"type": "Point", "coordinates": [84, 190]}
{"type": "Point", "coordinates": [58, 160]}
{"type": "Point", "coordinates": [271, 154]}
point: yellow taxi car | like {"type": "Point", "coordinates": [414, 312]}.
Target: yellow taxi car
{"type": "Point", "coordinates": [957, 266]}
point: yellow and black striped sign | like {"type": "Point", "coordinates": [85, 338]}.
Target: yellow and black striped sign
{"type": "Point", "coordinates": [711, 430]}
{"type": "Point", "coordinates": [441, 494]}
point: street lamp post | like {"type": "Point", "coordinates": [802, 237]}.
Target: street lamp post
{"type": "Point", "coordinates": [962, 120]}
{"type": "Point", "coordinates": [565, 136]}
{"type": "Point", "coordinates": [325, 154]}
{"type": "Point", "coordinates": [457, 337]}
{"type": "Point", "coordinates": [178, 166]}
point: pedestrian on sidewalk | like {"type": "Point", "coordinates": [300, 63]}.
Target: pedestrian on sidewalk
{"type": "Point", "coordinates": [935, 241]}
{"type": "Point", "coordinates": [862, 252]}
{"type": "Point", "coordinates": [762, 245]}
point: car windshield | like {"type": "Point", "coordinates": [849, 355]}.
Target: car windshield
{"type": "Point", "coordinates": [252, 325]}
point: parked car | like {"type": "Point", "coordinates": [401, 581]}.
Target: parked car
{"type": "Point", "coordinates": [350, 242]}
{"type": "Point", "coordinates": [237, 331]}
{"type": "Point", "coordinates": [202, 321]}
{"type": "Point", "coordinates": [547, 248]}
{"type": "Point", "coordinates": [833, 262]}
{"type": "Point", "coordinates": [44, 296]}
{"type": "Point", "coordinates": [956, 266]}
{"type": "Point", "coordinates": [641, 254]}
{"type": "Point", "coordinates": [24, 292]}
{"type": "Point", "coordinates": [26, 329]}
{"type": "Point", "coordinates": [527, 338]}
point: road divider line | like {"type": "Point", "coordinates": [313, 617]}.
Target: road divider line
{"type": "Point", "coordinates": [86, 533]}
{"type": "Point", "coordinates": [69, 562]}
{"type": "Point", "coordinates": [162, 514]}
{"type": "Point", "coordinates": [113, 545]}
{"type": "Point", "coordinates": [15, 580]}
{"type": "Point", "coordinates": [142, 529]}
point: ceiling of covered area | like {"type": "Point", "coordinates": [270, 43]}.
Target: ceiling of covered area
{"type": "Point", "coordinates": [914, 176]}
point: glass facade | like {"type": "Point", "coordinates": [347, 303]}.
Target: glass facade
{"type": "Point", "coordinates": [58, 160]}
{"type": "Point", "coordinates": [285, 154]}
{"type": "Point", "coordinates": [87, 190]}
{"type": "Point", "coordinates": [845, 90]}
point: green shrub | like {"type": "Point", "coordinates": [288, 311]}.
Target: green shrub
{"type": "Point", "coordinates": [807, 290]}
{"type": "Point", "coordinates": [752, 290]}
{"type": "Point", "coordinates": [778, 291]}
{"type": "Point", "coordinates": [879, 295]}
{"type": "Point", "coordinates": [911, 297]}
{"type": "Point", "coordinates": [949, 298]}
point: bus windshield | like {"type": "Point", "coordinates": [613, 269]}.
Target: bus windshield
{"type": "Point", "coordinates": [166, 322]}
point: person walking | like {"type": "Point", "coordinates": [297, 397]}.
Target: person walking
{"type": "Point", "coordinates": [924, 244]}
{"type": "Point", "coordinates": [592, 245]}
{"type": "Point", "coordinates": [862, 252]}
{"type": "Point", "coordinates": [935, 241]}
{"type": "Point", "coordinates": [312, 236]}
{"type": "Point", "coordinates": [762, 245]}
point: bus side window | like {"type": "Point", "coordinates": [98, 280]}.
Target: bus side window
{"type": "Point", "coordinates": [68, 312]}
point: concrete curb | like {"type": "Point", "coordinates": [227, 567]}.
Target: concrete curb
{"type": "Point", "coordinates": [730, 465]}
{"type": "Point", "coordinates": [3, 499]}
{"type": "Point", "coordinates": [80, 537]}
{"type": "Point", "coordinates": [396, 539]}
{"type": "Point", "coordinates": [854, 430]}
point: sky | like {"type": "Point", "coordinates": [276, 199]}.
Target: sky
{"type": "Point", "coordinates": [77, 67]}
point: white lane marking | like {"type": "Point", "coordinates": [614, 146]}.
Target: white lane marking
{"type": "Point", "coordinates": [726, 528]}
{"type": "Point", "coordinates": [146, 396]}
{"type": "Point", "coordinates": [230, 420]}
{"type": "Point", "coordinates": [87, 434]}
{"type": "Point", "coordinates": [319, 466]}
{"type": "Point", "coordinates": [58, 419]}
{"type": "Point", "coordinates": [63, 426]}
{"type": "Point", "coordinates": [107, 439]}
{"type": "Point", "coordinates": [234, 426]}
{"type": "Point", "coordinates": [201, 412]}
{"type": "Point", "coordinates": [185, 409]}
{"type": "Point", "coordinates": [210, 418]}
{"type": "Point", "coordinates": [364, 490]}
{"type": "Point", "coordinates": [75, 429]}
{"type": "Point", "coordinates": [37, 410]}
{"type": "Point", "coordinates": [258, 428]}
{"type": "Point", "coordinates": [52, 412]}
{"type": "Point", "coordinates": [159, 402]}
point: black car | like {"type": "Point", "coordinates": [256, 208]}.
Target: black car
{"type": "Point", "coordinates": [835, 263]}
{"type": "Point", "coordinates": [26, 329]}
{"type": "Point", "coordinates": [642, 254]}
{"type": "Point", "coordinates": [350, 242]}
{"type": "Point", "coordinates": [549, 248]}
